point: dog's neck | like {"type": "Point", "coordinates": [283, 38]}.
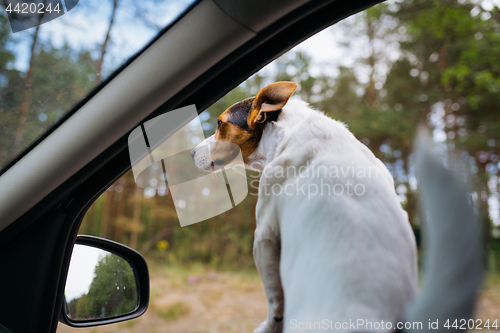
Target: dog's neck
{"type": "Point", "coordinates": [294, 113]}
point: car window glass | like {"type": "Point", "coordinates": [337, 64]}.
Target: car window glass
{"type": "Point", "coordinates": [382, 72]}
{"type": "Point", "coordinates": [46, 70]}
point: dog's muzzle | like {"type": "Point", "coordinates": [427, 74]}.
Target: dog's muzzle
{"type": "Point", "coordinates": [212, 156]}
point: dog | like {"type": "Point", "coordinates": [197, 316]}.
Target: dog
{"type": "Point", "coordinates": [332, 243]}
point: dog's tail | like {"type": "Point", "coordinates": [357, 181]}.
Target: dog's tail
{"type": "Point", "coordinates": [452, 258]}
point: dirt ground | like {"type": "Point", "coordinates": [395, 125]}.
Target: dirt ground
{"type": "Point", "coordinates": [488, 307]}
{"type": "Point", "coordinates": [198, 299]}
{"type": "Point", "coordinates": [195, 300]}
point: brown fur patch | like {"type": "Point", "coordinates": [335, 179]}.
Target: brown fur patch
{"type": "Point", "coordinates": [242, 124]}
{"type": "Point", "coordinates": [234, 128]}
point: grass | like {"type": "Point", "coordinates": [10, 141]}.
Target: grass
{"type": "Point", "coordinates": [173, 311]}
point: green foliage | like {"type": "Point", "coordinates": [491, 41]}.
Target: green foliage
{"type": "Point", "coordinates": [112, 292]}
{"type": "Point", "coordinates": [6, 55]}
{"type": "Point", "coordinates": [51, 97]}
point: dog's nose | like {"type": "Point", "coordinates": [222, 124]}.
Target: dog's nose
{"type": "Point", "coordinates": [193, 152]}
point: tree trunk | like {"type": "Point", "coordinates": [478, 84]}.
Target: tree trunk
{"type": "Point", "coordinates": [103, 227]}
{"type": "Point", "coordinates": [105, 44]}
{"type": "Point", "coordinates": [111, 214]}
{"type": "Point", "coordinates": [90, 216]}
{"type": "Point", "coordinates": [135, 226]}
{"type": "Point", "coordinates": [371, 92]}
{"type": "Point", "coordinates": [23, 108]}
{"type": "Point", "coordinates": [442, 59]}
{"type": "Point", "coordinates": [120, 211]}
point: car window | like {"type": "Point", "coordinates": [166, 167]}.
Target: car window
{"type": "Point", "coordinates": [382, 72]}
{"type": "Point", "coordinates": [46, 70]}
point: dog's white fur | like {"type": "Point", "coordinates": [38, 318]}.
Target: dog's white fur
{"type": "Point", "coordinates": [335, 257]}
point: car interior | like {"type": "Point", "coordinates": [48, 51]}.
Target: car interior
{"type": "Point", "coordinates": [45, 192]}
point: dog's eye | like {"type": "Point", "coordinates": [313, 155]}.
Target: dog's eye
{"type": "Point", "coordinates": [218, 123]}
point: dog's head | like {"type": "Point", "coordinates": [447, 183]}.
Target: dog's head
{"type": "Point", "coordinates": [240, 127]}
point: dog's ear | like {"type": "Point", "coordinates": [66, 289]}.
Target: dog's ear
{"type": "Point", "coordinates": [270, 98]}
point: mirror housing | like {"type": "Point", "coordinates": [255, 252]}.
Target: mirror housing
{"type": "Point", "coordinates": [140, 272]}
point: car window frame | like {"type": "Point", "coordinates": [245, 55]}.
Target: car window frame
{"type": "Point", "coordinates": [73, 198]}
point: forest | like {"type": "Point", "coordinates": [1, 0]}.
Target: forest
{"type": "Point", "coordinates": [410, 62]}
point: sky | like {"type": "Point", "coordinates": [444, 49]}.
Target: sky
{"type": "Point", "coordinates": [81, 270]}
{"type": "Point", "coordinates": [85, 26]}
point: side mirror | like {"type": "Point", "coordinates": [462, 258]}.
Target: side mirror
{"type": "Point", "coordinates": [107, 283]}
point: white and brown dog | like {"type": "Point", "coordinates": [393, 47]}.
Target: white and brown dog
{"type": "Point", "coordinates": [332, 241]}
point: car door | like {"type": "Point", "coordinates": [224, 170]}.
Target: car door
{"type": "Point", "coordinates": [46, 191]}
